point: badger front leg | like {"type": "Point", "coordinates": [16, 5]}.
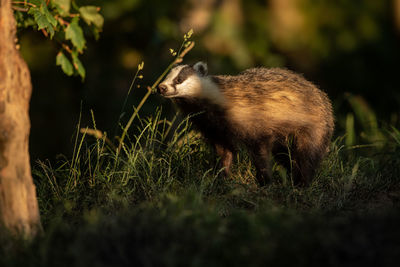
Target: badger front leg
{"type": "Point", "coordinates": [226, 155]}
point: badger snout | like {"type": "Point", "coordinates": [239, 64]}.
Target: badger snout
{"type": "Point", "coordinates": [162, 89]}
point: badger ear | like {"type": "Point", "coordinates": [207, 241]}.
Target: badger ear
{"type": "Point", "coordinates": [201, 68]}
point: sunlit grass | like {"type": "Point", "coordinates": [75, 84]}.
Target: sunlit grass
{"type": "Point", "coordinates": [163, 202]}
{"type": "Point", "coordinates": [162, 159]}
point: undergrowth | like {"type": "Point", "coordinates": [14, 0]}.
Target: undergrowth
{"type": "Point", "coordinates": [153, 167]}
{"type": "Point", "coordinates": [164, 203]}
{"type": "Point", "coordinates": [157, 198]}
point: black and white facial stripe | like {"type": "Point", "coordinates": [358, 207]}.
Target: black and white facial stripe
{"type": "Point", "coordinates": [183, 74]}
{"type": "Point", "coordinates": [183, 81]}
{"type": "Point", "coordinates": [186, 81]}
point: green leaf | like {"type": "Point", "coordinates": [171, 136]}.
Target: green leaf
{"type": "Point", "coordinates": [62, 6]}
{"type": "Point", "coordinates": [74, 33]}
{"type": "Point", "coordinates": [42, 19]}
{"type": "Point", "coordinates": [63, 61]}
{"type": "Point", "coordinates": [91, 15]}
{"type": "Point", "coordinates": [78, 65]}
{"type": "Point", "coordinates": [49, 16]}
{"type": "Point", "coordinates": [96, 33]}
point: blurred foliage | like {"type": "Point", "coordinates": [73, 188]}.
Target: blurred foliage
{"type": "Point", "coordinates": [343, 46]}
{"type": "Point", "coordinates": [369, 123]}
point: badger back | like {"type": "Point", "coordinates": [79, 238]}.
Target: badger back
{"type": "Point", "coordinates": [275, 100]}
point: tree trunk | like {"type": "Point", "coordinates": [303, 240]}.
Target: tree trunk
{"type": "Point", "coordinates": [19, 211]}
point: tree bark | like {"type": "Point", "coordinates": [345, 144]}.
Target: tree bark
{"type": "Point", "coordinates": [19, 211]}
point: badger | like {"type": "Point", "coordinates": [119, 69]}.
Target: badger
{"type": "Point", "coordinates": [275, 113]}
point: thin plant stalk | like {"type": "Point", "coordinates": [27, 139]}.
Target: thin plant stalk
{"type": "Point", "coordinates": [178, 59]}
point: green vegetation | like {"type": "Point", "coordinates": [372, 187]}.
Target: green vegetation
{"type": "Point", "coordinates": [60, 21]}
{"type": "Point", "coordinates": [159, 199]}
{"type": "Point", "coordinates": [162, 203]}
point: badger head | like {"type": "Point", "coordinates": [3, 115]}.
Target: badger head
{"type": "Point", "coordinates": [185, 81]}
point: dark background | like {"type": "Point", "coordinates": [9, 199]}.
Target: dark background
{"type": "Point", "coordinates": [351, 49]}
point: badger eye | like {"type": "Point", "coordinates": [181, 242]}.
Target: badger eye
{"type": "Point", "coordinates": [178, 80]}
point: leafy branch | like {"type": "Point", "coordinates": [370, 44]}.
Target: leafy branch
{"type": "Point", "coordinates": [62, 21]}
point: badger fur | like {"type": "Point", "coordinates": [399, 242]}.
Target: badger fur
{"type": "Point", "coordinates": [272, 111]}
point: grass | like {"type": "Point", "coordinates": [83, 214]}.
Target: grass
{"type": "Point", "coordinates": [162, 202]}
{"type": "Point", "coordinates": [156, 198]}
